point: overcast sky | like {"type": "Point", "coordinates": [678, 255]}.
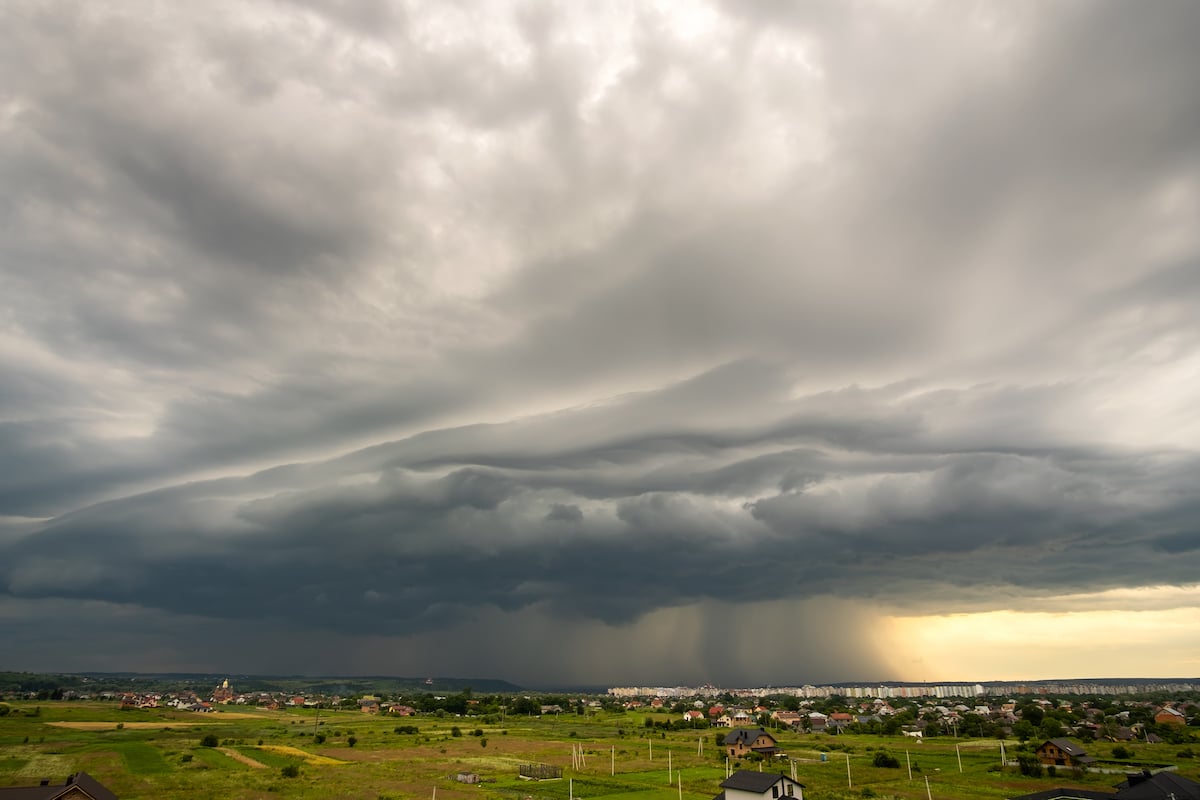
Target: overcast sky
{"type": "Point", "coordinates": [742, 342]}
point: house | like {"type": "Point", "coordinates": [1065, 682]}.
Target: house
{"type": "Point", "coordinates": [693, 715]}
{"type": "Point", "coordinates": [747, 740]}
{"type": "Point", "coordinates": [747, 785]}
{"type": "Point", "coordinates": [1157, 786]}
{"type": "Point", "coordinates": [1138, 786]}
{"type": "Point", "coordinates": [1169, 716]}
{"type": "Point", "coordinates": [467, 777]}
{"type": "Point", "coordinates": [840, 719]}
{"type": "Point", "coordinates": [1063, 753]}
{"type": "Point", "coordinates": [79, 786]}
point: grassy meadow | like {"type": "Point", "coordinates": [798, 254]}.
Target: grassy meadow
{"type": "Point", "coordinates": [158, 753]}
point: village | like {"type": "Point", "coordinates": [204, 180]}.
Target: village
{"type": "Point", "coordinates": [762, 745]}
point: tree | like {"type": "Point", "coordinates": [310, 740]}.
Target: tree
{"type": "Point", "coordinates": [353, 740]}
{"type": "Point", "coordinates": [210, 740]}
{"type": "Point", "coordinates": [886, 759]}
{"type": "Point", "coordinates": [1051, 728]}
{"type": "Point", "coordinates": [1024, 730]}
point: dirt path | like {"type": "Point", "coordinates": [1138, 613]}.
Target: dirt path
{"type": "Point", "coordinates": [247, 760]}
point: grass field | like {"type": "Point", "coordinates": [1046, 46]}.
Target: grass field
{"type": "Point", "coordinates": [155, 753]}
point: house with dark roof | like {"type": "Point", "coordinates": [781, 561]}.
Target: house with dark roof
{"type": "Point", "coordinates": [1066, 794]}
{"type": "Point", "coordinates": [1137, 786]}
{"type": "Point", "coordinates": [1063, 753]}
{"type": "Point", "coordinates": [747, 785]}
{"type": "Point", "coordinates": [79, 786]}
{"type": "Point", "coordinates": [749, 740]}
{"type": "Point", "coordinates": [1157, 786]}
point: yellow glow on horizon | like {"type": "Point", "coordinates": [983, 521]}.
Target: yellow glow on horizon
{"type": "Point", "coordinates": [1030, 645]}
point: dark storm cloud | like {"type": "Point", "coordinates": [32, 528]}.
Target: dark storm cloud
{"type": "Point", "coordinates": [384, 552]}
{"type": "Point", "coordinates": [393, 323]}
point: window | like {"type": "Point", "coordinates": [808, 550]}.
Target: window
{"type": "Point", "coordinates": [774, 791]}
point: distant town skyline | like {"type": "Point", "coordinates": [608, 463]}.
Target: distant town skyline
{"type": "Point", "coordinates": [601, 343]}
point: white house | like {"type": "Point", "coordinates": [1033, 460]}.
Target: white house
{"type": "Point", "coordinates": [747, 785]}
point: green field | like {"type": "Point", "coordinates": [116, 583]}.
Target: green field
{"type": "Point", "coordinates": [155, 753]}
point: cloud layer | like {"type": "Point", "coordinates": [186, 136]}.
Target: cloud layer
{"type": "Point", "coordinates": [486, 334]}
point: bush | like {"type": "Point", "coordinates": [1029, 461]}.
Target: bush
{"type": "Point", "coordinates": [885, 759]}
{"type": "Point", "coordinates": [477, 732]}
{"type": "Point", "coordinates": [483, 742]}
{"type": "Point", "coordinates": [456, 731]}
{"type": "Point", "coordinates": [407, 729]}
{"type": "Point", "coordinates": [319, 738]}
{"type": "Point", "coordinates": [353, 740]}
{"type": "Point", "coordinates": [1029, 765]}
{"type": "Point", "coordinates": [1121, 751]}
{"type": "Point", "coordinates": [210, 740]}
{"type": "Point", "coordinates": [185, 758]}
{"type": "Point", "coordinates": [290, 771]}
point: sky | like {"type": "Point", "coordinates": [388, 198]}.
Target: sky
{"type": "Point", "coordinates": [618, 343]}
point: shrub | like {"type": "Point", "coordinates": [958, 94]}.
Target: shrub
{"type": "Point", "coordinates": [210, 740]}
{"type": "Point", "coordinates": [1121, 751]}
{"type": "Point", "coordinates": [353, 740]}
{"type": "Point", "coordinates": [456, 731]}
{"type": "Point", "coordinates": [185, 758]}
{"type": "Point", "coordinates": [885, 759]}
{"type": "Point", "coordinates": [1029, 765]}
{"type": "Point", "coordinates": [483, 742]}
{"type": "Point", "coordinates": [477, 732]}
{"type": "Point", "coordinates": [290, 771]}
{"type": "Point", "coordinates": [319, 738]}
